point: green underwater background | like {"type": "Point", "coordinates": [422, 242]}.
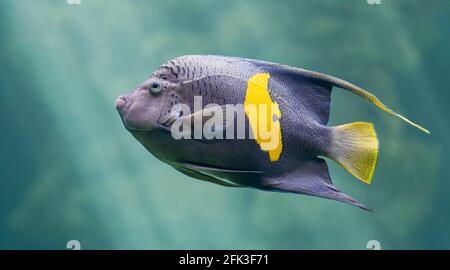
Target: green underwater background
{"type": "Point", "coordinates": [69, 170]}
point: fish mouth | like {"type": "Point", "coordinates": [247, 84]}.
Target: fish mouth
{"type": "Point", "coordinates": [121, 103]}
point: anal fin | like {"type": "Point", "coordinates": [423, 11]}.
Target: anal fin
{"type": "Point", "coordinates": [312, 178]}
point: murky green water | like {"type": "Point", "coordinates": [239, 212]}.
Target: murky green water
{"type": "Point", "coordinates": [68, 169]}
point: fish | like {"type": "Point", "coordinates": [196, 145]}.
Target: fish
{"type": "Point", "coordinates": [247, 123]}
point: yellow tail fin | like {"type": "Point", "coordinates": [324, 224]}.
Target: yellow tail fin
{"type": "Point", "coordinates": [355, 147]}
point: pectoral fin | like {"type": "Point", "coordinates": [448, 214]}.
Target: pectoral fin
{"type": "Point", "coordinates": [216, 175]}
{"type": "Point", "coordinates": [211, 120]}
{"type": "Point", "coordinates": [205, 177]}
{"type": "Point", "coordinates": [215, 169]}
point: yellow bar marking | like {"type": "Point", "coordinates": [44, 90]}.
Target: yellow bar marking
{"type": "Point", "coordinates": [264, 116]}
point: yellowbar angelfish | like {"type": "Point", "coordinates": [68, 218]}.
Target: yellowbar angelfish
{"type": "Point", "coordinates": [285, 108]}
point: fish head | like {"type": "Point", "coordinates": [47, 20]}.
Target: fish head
{"type": "Point", "coordinates": [141, 108]}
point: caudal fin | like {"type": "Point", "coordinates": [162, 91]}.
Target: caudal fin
{"type": "Point", "coordinates": [355, 147]}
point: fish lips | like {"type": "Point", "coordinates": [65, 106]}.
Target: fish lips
{"type": "Point", "coordinates": [122, 105]}
{"type": "Point", "coordinates": [135, 118]}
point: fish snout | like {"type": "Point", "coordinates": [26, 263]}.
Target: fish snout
{"type": "Point", "coordinates": [121, 102]}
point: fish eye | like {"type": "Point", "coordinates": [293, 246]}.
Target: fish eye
{"type": "Point", "coordinates": [155, 88]}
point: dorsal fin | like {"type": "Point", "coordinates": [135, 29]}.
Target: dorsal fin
{"type": "Point", "coordinates": [333, 81]}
